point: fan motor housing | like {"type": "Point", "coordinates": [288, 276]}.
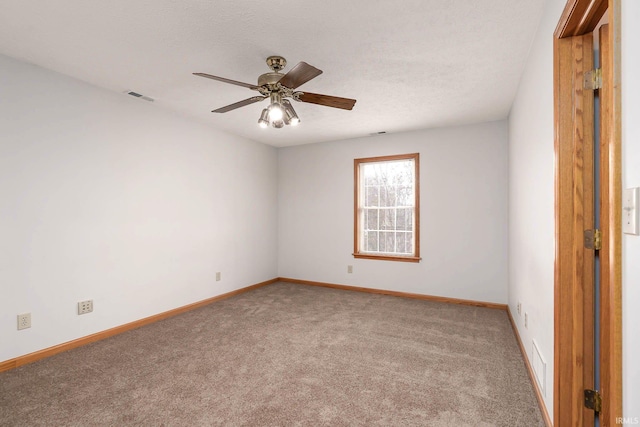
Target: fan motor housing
{"type": "Point", "coordinates": [269, 79]}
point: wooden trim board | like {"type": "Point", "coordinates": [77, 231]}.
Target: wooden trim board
{"type": "Point", "coordinates": [574, 264]}
{"type": "Point", "coordinates": [47, 352]}
{"type": "Point", "coordinates": [580, 17]}
{"type": "Point", "coordinates": [611, 220]}
{"type": "Point", "coordinates": [396, 293]}
{"type": "Point", "coordinates": [532, 377]}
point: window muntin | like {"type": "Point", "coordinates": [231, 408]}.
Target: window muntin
{"type": "Point", "coordinates": [386, 208]}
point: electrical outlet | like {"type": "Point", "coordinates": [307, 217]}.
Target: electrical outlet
{"type": "Point", "coordinates": [85, 307]}
{"type": "Point", "coordinates": [630, 211]}
{"type": "Point", "coordinates": [519, 308]}
{"type": "Point", "coordinates": [526, 320]}
{"type": "Point", "coordinates": [24, 321]}
{"type": "Point", "coordinates": [349, 269]}
{"type": "Point", "coordinates": [218, 276]}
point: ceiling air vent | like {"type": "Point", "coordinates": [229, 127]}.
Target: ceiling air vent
{"type": "Point", "coordinates": [139, 95]}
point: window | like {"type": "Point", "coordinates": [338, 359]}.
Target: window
{"type": "Point", "coordinates": [387, 213]}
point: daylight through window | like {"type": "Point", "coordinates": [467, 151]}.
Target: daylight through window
{"type": "Point", "coordinates": [387, 208]}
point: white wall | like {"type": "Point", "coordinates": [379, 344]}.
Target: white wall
{"type": "Point", "coordinates": [631, 178]}
{"type": "Point", "coordinates": [531, 197]}
{"type": "Point", "coordinates": [463, 228]}
{"type": "Point", "coordinates": [110, 198]}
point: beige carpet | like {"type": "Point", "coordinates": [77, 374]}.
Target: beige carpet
{"type": "Point", "coordinates": [288, 355]}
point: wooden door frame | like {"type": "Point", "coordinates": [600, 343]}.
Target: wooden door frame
{"type": "Point", "coordinates": [580, 18]}
{"type": "Point", "coordinates": [574, 265]}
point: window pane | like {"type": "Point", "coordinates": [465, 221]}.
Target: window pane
{"type": "Point", "coordinates": [390, 241]}
{"type": "Point", "coordinates": [370, 176]}
{"type": "Point", "coordinates": [401, 219]}
{"type": "Point", "coordinates": [404, 195]}
{"type": "Point", "coordinates": [404, 219]}
{"type": "Point", "coordinates": [387, 219]}
{"type": "Point", "coordinates": [387, 241]}
{"type": "Point", "coordinates": [371, 219]}
{"type": "Point", "coordinates": [371, 241]}
{"type": "Point", "coordinates": [387, 196]}
{"type": "Point", "coordinates": [371, 196]}
{"type": "Point", "coordinates": [408, 172]}
{"type": "Point", "coordinates": [401, 242]}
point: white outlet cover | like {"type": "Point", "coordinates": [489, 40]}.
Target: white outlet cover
{"type": "Point", "coordinates": [24, 321]}
{"type": "Point", "coordinates": [85, 307]}
{"type": "Point", "coordinates": [630, 211]}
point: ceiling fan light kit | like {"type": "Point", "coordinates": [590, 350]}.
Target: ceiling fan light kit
{"type": "Point", "coordinates": [290, 114]}
{"type": "Point", "coordinates": [279, 88]}
{"type": "Point", "coordinates": [263, 121]}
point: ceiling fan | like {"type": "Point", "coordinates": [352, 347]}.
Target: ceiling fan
{"type": "Point", "coordinates": [278, 88]}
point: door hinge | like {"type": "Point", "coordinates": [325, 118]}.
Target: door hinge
{"type": "Point", "coordinates": [593, 79]}
{"type": "Point", "coordinates": [593, 239]}
{"type": "Point", "coordinates": [593, 400]}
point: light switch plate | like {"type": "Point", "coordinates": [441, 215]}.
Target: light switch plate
{"type": "Point", "coordinates": [630, 211]}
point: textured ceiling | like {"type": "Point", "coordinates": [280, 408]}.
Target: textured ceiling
{"type": "Point", "coordinates": [410, 64]}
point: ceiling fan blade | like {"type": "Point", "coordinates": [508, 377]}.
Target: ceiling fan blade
{"type": "Point", "coordinates": [239, 104]}
{"type": "Point", "coordinates": [329, 101]}
{"type": "Point", "coordinates": [299, 75]}
{"type": "Point", "coordinates": [222, 79]}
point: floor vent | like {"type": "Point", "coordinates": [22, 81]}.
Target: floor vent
{"type": "Point", "coordinates": [539, 368]}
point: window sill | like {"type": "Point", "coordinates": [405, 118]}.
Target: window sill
{"type": "Point", "coordinates": [388, 257]}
